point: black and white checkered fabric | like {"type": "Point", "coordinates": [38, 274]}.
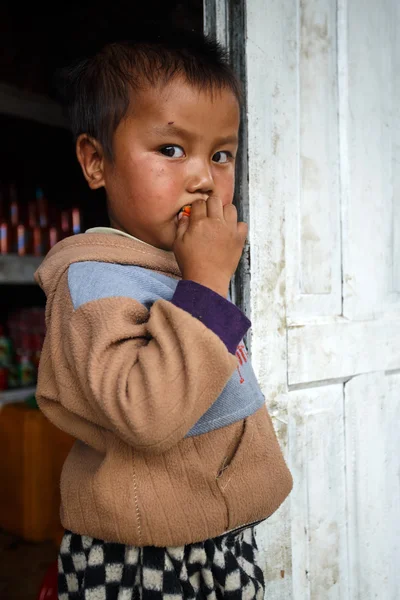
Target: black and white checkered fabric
{"type": "Point", "coordinates": [224, 567]}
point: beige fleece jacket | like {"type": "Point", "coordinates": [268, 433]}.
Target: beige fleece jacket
{"type": "Point", "coordinates": [129, 383]}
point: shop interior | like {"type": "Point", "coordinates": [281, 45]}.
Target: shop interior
{"type": "Point", "coordinates": [43, 198]}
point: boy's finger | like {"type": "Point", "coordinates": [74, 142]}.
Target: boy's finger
{"type": "Point", "coordinates": [215, 209]}
{"type": "Point", "coordinates": [242, 229]}
{"type": "Point", "coordinates": [230, 213]}
{"type": "Point", "coordinates": [183, 224]}
{"type": "Point", "coordinates": [199, 209]}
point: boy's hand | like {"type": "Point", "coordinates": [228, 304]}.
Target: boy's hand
{"type": "Point", "coordinates": [209, 244]}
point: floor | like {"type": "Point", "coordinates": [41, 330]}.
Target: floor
{"type": "Point", "coordinates": [22, 566]}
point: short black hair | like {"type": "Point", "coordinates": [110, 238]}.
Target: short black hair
{"type": "Point", "coordinates": [97, 90]}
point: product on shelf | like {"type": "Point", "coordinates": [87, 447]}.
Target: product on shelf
{"type": "Point", "coordinates": [55, 233]}
{"type": "Point", "coordinates": [76, 221]}
{"type": "Point", "coordinates": [34, 227]}
{"type": "Point", "coordinates": [5, 347]}
{"type": "Point", "coordinates": [5, 358]}
{"type": "Point", "coordinates": [20, 349]}
{"type": "Point", "coordinates": [5, 225]}
{"type": "Point", "coordinates": [3, 378]}
{"type": "Point", "coordinates": [66, 223]}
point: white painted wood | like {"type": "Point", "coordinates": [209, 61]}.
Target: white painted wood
{"type": "Point", "coordinates": [341, 349]}
{"type": "Point", "coordinates": [18, 103]}
{"type": "Point", "coordinates": [272, 134]}
{"type": "Point", "coordinates": [395, 42]}
{"type": "Point", "coordinates": [373, 136]}
{"type": "Point", "coordinates": [18, 269]}
{"type": "Point", "coordinates": [373, 466]}
{"type": "Point", "coordinates": [318, 517]}
{"type": "Point", "coordinates": [313, 213]}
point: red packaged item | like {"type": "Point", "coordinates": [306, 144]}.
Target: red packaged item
{"type": "Point", "coordinates": [3, 378]}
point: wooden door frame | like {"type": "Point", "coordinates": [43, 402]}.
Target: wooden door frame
{"type": "Point", "coordinates": [225, 20]}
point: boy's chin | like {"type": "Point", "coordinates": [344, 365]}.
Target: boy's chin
{"type": "Point", "coordinates": [166, 244]}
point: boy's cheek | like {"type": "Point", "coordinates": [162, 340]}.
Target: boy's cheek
{"type": "Point", "coordinates": [227, 192]}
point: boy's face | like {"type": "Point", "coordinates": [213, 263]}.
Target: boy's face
{"type": "Point", "coordinates": [176, 145]}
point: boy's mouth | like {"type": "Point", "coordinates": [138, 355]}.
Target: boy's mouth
{"type": "Point", "coordinates": [185, 210]}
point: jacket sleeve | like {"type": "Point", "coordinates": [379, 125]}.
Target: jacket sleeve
{"type": "Point", "coordinates": [148, 375]}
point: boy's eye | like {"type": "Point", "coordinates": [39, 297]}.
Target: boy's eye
{"type": "Point", "coordinates": [222, 156]}
{"type": "Point", "coordinates": [172, 151]}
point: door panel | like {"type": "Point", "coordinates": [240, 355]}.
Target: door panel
{"type": "Point", "coordinates": [318, 516]}
{"type": "Point", "coordinates": [370, 160]}
{"type": "Point", "coordinates": [372, 417]}
{"type": "Point", "coordinates": [313, 212]}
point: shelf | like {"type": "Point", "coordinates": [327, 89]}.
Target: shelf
{"type": "Point", "coordinates": [19, 103]}
{"type": "Point", "coordinates": [19, 395]}
{"type": "Point", "coordinates": [18, 269]}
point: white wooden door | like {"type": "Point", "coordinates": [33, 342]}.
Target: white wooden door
{"type": "Point", "coordinates": [323, 138]}
{"type": "Point", "coordinates": [324, 151]}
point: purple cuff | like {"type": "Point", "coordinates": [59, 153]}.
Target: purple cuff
{"type": "Point", "coordinates": [217, 313]}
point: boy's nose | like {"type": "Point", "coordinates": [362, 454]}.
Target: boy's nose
{"type": "Point", "coordinates": [200, 180]}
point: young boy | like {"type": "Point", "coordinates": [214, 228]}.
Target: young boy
{"type": "Point", "coordinates": [175, 458]}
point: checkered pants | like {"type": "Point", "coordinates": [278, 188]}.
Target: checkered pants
{"type": "Point", "coordinates": [224, 567]}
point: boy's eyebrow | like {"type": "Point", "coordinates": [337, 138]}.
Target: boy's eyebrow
{"type": "Point", "coordinates": [166, 130]}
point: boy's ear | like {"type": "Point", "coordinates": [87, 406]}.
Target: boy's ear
{"type": "Point", "coordinates": [90, 156]}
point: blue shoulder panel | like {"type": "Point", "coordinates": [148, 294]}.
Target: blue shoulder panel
{"type": "Point", "coordinates": [95, 280]}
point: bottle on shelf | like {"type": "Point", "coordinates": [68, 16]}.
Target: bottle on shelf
{"type": "Point", "coordinates": [14, 204]}
{"type": "Point", "coordinates": [15, 214]}
{"type": "Point", "coordinates": [26, 367]}
{"type": "Point", "coordinates": [36, 226]}
{"type": "Point", "coordinates": [55, 226]}
{"type": "Point", "coordinates": [5, 226]}
{"type": "Point", "coordinates": [76, 220]}
{"type": "Point", "coordinates": [42, 208]}
{"type": "Point", "coordinates": [40, 233]}
{"type": "Point", "coordinates": [66, 223]}
{"type": "Point", "coordinates": [24, 236]}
